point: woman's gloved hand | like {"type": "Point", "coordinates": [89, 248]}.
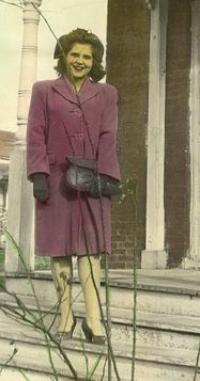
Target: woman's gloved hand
{"type": "Point", "coordinates": [110, 186]}
{"type": "Point", "coordinates": [40, 187]}
{"type": "Point", "coordinates": [105, 185]}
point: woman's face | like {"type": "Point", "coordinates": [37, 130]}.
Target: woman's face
{"type": "Point", "coordinates": [79, 61]}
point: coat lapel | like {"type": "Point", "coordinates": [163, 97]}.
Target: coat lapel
{"type": "Point", "coordinates": [88, 90]}
{"type": "Point", "coordinates": [64, 88]}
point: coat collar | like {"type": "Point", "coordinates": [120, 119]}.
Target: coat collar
{"type": "Point", "coordinates": [88, 90]}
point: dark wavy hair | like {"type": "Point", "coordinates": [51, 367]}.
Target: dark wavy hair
{"type": "Point", "coordinates": [82, 36]}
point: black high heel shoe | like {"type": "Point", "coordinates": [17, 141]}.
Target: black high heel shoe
{"type": "Point", "coordinates": [95, 339]}
{"type": "Point", "coordinates": [66, 335]}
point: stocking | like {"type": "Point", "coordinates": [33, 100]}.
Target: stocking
{"type": "Point", "coordinates": [62, 276]}
{"type": "Point", "coordinates": [93, 316]}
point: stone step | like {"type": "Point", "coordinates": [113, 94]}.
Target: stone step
{"type": "Point", "coordinates": [12, 374]}
{"type": "Point", "coordinates": [153, 330]}
{"type": "Point", "coordinates": [153, 364]}
{"type": "Point", "coordinates": [168, 328]}
{"type": "Point", "coordinates": [167, 298]}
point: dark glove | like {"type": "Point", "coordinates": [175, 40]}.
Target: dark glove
{"type": "Point", "coordinates": [40, 187]}
{"type": "Point", "coordinates": [110, 186]}
{"type": "Point", "coordinates": [105, 185]}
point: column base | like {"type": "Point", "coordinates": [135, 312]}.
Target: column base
{"type": "Point", "coordinates": [190, 263]}
{"type": "Point", "coordinates": [154, 259]}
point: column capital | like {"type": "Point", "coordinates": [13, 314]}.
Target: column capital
{"type": "Point", "coordinates": [30, 14]}
{"type": "Point", "coordinates": [150, 4]}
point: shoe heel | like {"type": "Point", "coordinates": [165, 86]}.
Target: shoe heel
{"type": "Point", "coordinates": [87, 331]}
{"type": "Point", "coordinates": [90, 337]}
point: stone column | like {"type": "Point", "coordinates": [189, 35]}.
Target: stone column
{"type": "Point", "coordinates": [192, 259]}
{"type": "Point", "coordinates": [154, 255]}
{"type": "Point", "coordinates": [20, 200]}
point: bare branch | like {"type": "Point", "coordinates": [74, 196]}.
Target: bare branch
{"type": "Point", "coordinates": [15, 350]}
{"type": "Point", "coordinates": [135, 203]}
{"type": "Point", "coordinates": [49, 26]}
{"type": "Point", "coordinates": [48, 336]}
{"type": "Point", "coordinates": [86, 359]}
{"type": "Point", "coordinates": [197, 364]}
{"type": "Point", "coordinates": [10, 3]}
{"type": "Point", "coordinates": [96, 365]}
{"type": "Point", "coordinates": [13, 313]}
{"type": "Point", "coordinates": [22, 372]}
{"type": "Point", "coordinates": [104, 369]}
{"type": "Point", "coordinates": [107, 326]}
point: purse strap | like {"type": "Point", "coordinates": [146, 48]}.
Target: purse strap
{"type": "Point", "coordinates": [86, 125]}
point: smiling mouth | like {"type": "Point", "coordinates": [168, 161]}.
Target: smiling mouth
{"type": "Point", "coordinates": [78, 68]}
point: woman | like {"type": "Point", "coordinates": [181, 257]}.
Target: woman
{"type": "Point", "coordinates": [74, 116]}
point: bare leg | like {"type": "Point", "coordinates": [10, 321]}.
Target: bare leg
{"type": "Point", "coordinates": [62, 276]}
{"type": "Point", "coordinates": [93, 315]}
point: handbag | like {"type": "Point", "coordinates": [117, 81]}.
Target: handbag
{"type": "Point", "coordinates": [80, 174]}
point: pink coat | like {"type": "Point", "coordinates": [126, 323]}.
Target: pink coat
{"type": "Point", "coordinates": [70, 223]}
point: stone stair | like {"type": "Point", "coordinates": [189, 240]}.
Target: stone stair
{"type": "Point", "coordinates": [168, 329]}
